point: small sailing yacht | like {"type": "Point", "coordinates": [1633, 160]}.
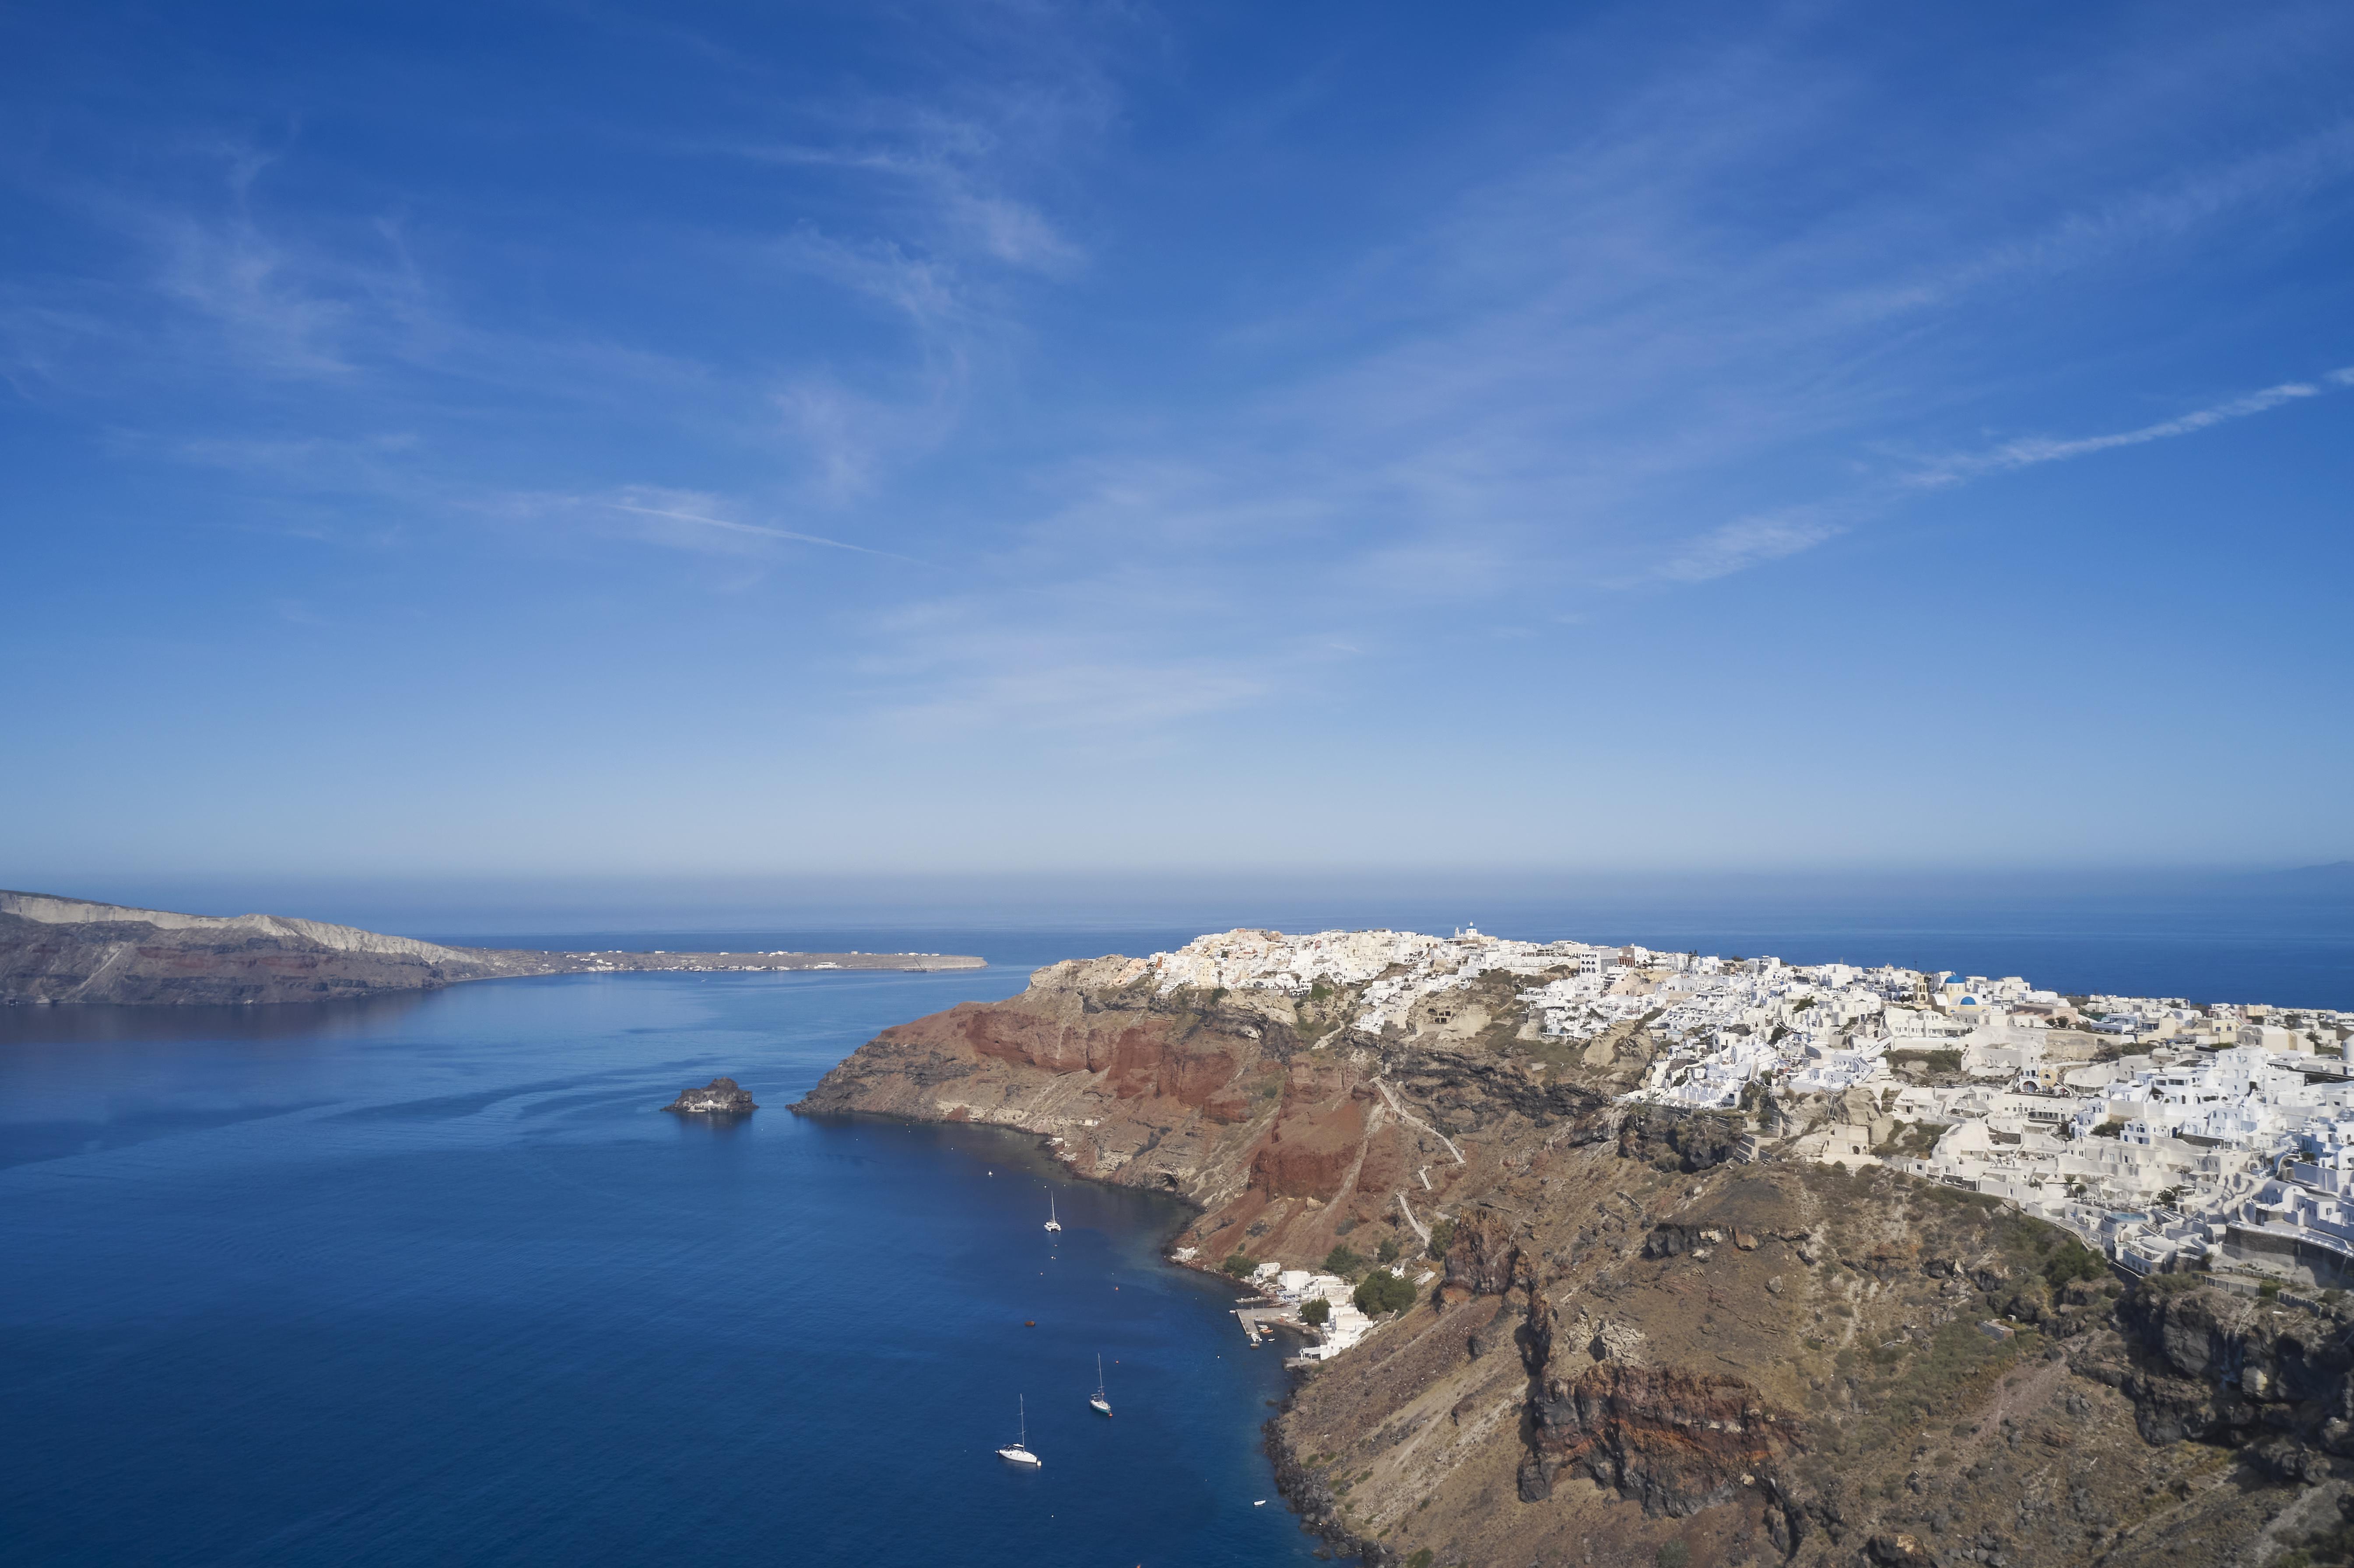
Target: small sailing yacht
{"type": "Point", "coordinates": [1018, 1451]}
{"type": "Point", "coordinates": [1098, 1402]}
{"type": "Point", "coordinates": [1052, 1223]}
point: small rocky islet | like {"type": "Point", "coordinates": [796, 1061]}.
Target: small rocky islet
{"type": "Point", "coordinates": [721, 1097]}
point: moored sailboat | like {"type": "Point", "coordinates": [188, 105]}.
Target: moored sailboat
{"type": "Point", "coordinates": [1052, 1223]}
{"type": "Point", "coordinates": [1098, 1401]}
{"type": "Point", "coordinates": [1018, 1451]}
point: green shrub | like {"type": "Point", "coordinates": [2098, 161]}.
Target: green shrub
{"type": "Point", "coordinates": [1387, 1251]}
{"type": "Point", "coordinates": [2073, 1260]}
{"type": "Point", "coordinates": [1342, 1260]}
{"type": "Point", "coordinates": [1421, 1559]}
{"type": "Point", "coordinates": [2269, 1290]}
{"type": "Point", "coordinates": [1384, 1292]}
{"type": "Point", "coordinates": [1316, 1313]}
{"type": "Point", "coordinates": [1672, 1554]}
{"type": "Point", "coordinates": [1442, 1236]}
{"type": "Point", "coordinates": [1239, 1266]}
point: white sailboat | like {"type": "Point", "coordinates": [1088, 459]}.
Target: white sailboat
{"type": "Point", "coordinates": [1052, 1223]}
{"type": "Point", "coordinates": [1018, 1451]}
{"type": "Point", "coordinates": [1098, 1402]}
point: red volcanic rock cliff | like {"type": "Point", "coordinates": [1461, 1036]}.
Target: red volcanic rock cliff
{"type": "Point", "coordinates": [1248, 1103]}
{"type": "Point", "coordinates": [1675, 1440]}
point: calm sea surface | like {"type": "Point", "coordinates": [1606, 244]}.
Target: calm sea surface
{"type": "Point", "coordinates": [434, 1279]}
{"type": "Point", "coordinates": [439, 1283]}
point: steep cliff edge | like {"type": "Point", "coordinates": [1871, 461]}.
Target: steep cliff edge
{"type": "Point", "coordinates": [1630, 1346]}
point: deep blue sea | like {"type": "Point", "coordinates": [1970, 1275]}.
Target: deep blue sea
{"type": "Point", "coordinates": [438, 1281]}
{"type": "Point", "coordinates": [434, 1279]}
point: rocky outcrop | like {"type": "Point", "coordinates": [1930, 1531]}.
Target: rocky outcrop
{"type": "Point", "coordinates": [1484, 1256]}
{"type": "Point", "coordinates": [1675, 1441]}
{"type": "Point", "coordinates": [1678, 1140]}
{"type": "Point", "coordinates": [721, 1097]}
{"type": "Point", "coordinates": [2208, 1365]}
{"type": "Point", "coordinates": [57, 950]}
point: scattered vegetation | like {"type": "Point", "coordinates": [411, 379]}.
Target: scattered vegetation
{"type": "Point", "coordinates": [2321, 1548]}
{"type": "Point", "coordinates": [1384, 1292]}
{"type": "Point", "coordinates": [1344, 1261]}
{"type": "Point", "coordinates": [2072, 1259]}
{"type": "Point", "coordinates": [1388, 1251]}
{"type": "Point", "coordinates": [1317, 1313]}
{"type": "Point", "coordinates": [1913, 1139]}
{"type": "Point", "coordinates": [1239, 1264]}
{"type": "Point", "coordinates": [1672, 1554]}
{"type": "Point", "coordinates": [1909, 1384]}
{"type": "Point", "coordinates": [1442, 1236]}
{"type": "Point", "coordinates": [1421, 1559]}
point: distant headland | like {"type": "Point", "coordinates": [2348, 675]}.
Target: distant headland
{"type": "Point", "coordinates": [55, 949]}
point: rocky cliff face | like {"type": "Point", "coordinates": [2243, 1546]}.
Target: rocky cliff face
{"type": "Point", "coordinates": [1632, 1346]}
{"type": "Point", "coordinates": [721, 1097]}
{"type": "Point", "coordinates": [69, 950]}
{"type": "Point", "coordinates": [66, 951]}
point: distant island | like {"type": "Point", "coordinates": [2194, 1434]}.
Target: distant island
{"type": "Point", "coordinates": [66, 951]}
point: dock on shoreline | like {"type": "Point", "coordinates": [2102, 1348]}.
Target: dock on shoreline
{"type": "Point", "coordinates": [1259, 1320]}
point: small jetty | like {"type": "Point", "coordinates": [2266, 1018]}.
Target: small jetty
{"type": "Point", "coordinates": [1261, 1319]}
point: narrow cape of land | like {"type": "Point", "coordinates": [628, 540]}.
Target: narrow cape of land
{"type": "Point", "coordinates": [55, 949]}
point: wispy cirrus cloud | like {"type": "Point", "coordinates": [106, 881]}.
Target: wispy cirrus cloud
{"type": "Point", "coordinates": [2030, 450]}
{"type": "Point", "coordinates": [695, 514]}
{"type": "Point", "coordinates": [957, 206]}
{"type": "Point", "coordinates": [695, 521]}
{"type": "Point", "coordinates": [1748, 542]}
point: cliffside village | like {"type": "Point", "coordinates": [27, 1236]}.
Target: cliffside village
{"type": "Point", "coordinates": [2169, 1135]}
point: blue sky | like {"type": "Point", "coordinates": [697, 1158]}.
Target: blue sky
{"type": "Point", "coordinates": [531, 437]}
